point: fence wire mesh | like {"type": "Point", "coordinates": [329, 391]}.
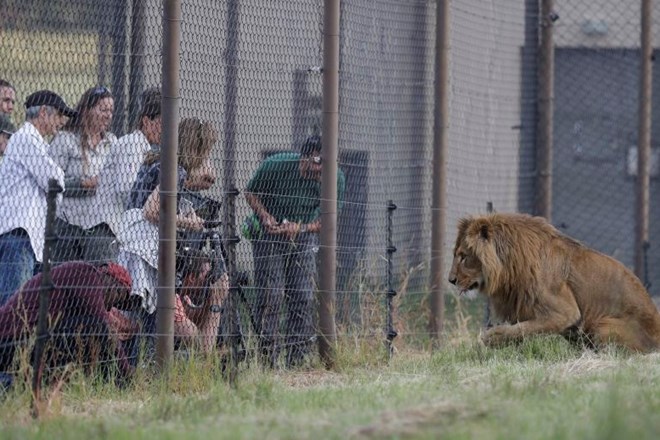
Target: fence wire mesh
{"type": "Point", "coordinates": [250, 117]}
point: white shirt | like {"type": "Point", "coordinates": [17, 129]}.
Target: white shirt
{"type": "Point", "coordinates": [116, 180]}
{"type": "Point", "coordinates": [24, 174]}
{"type": "Point", "coordinates": [66, 151]}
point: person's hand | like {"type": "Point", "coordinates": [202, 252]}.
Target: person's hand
{"type": "Point", "coordinates": [289, 230]}
{"type": "Point", "coordinates": [200, 181]}
{"type": "Point", "coordinates": [270, 224]}
{"type": "Point", "coordinates": [89, 182]}
{"type": "Point", "coordinates": [194, 222]}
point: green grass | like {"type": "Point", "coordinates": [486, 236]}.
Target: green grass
{"type": "Point", "coordinates": [66, 63]}
{"type": "Point", "coordinates": [543, 388]}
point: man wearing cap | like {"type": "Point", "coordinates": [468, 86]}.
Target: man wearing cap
{"type": "Point", "coordinates": [127, 154]}
{"type": "Point", "coordinates": [85, 323]}
{"type": "Point", "coordinates": [24, 174]}
{"type": "Point", "coordinates": [6, 130]}
{"type": "Point", "coordinates": [285, 194]}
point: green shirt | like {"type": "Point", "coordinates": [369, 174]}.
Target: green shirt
{"type": "Point", "coordinates": [285, 193]}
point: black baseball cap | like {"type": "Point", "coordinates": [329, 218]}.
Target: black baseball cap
{"type": "Point", "coordinates": [312, 145]}
{"type": "Point", "coordinates": [52, 99]}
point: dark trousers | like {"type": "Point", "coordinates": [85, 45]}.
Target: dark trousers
{"type": "Point", "coordinates": [285, 279]}
{"type": "Point", "coordinates": [94, 245]}
{"type": "Point", "coordinates": [82, 340]}
{"type": "Point", "coordinates": [142, 347]}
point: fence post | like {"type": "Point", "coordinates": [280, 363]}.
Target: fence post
{"type": "Point", "coordinates": [644, 142]}
{"type": "Point", "coordinates": [118, 28]}
{"type": "Point", "coordinates": [45, 290]}
{"type": "Point", "coordinates": [328, 234]}
{"type": "Point", "coordinates": [546, 79]}
{"type": "Point", "coordinates": [231, 310]}
{"type": "Point", "coordinates": [168, 184]}
{"type": "Point", "coordinates": [439, 201]}
{"type": "Point", "coordinates": [136, 67]}
{"type": "Point", "coordinates": [229, 183]}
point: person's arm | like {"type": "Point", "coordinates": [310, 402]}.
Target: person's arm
{"type": "Point", "coordinates": [257, 187]}
{"type": "Point", "coordinates": [37, 161]}
{"type": "Point", "coordinates": [205, 319]}
{"type": "Point", "coordinates": [183, 326]}
{"type": "Point", "coordinates": [127, 155]}
{"type": "Point", "coordinates": [268, 222]}
{"type": "Point", "coordinates": [341, 187]}
{"type": "Point", "coordinates": [121, 325]}
{"type": "Point", "coordinates": [151, 212]}
{"type": "Point", "coordinates": [315, 225]}
{"type": "Point", "coordinates": [62, 148]}
{"type": "Point", "coordinates": [202, 178]}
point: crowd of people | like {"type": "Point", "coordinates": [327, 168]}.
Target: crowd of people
{"type": "Point", "coordinates": [105, 271]}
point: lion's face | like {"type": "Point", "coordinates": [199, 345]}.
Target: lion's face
{"type": "Point", "coordinates": [466, 271]}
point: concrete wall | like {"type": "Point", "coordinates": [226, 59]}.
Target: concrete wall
{"type": "Point", "coordinates": [602, 23]}
{"type": "Point", "coordinates": [487, 80]}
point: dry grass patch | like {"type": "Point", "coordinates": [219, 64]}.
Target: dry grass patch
{"type": "Point", "coordinates": [311, 379]}
{"type": "Point", "coordinates": [413, 421]}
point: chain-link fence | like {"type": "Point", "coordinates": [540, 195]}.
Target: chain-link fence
{"type": "Point", "coordinates": [249, 158]}
{"type": "Point", "coordinates": [597, 129]}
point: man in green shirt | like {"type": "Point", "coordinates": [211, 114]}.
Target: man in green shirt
{"type": "Point", "coordinates": [284, 194]}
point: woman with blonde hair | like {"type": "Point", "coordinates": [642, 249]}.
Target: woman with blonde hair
{"type": "Point", "coordinates": [81, 149]}
{"type": "Point", "coordinates": [138, 236]}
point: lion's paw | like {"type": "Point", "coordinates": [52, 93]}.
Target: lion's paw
{"type": "Point", "coordinates": [496, 336]}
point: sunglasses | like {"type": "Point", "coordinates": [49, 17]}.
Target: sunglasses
{"type": "Point", "coordinates": [101, 91]}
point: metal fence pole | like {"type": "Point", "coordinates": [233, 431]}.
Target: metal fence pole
{"type": "Point", "coordinates": [45, 290]}
{"type": "Point", "coordinates": [168, 180]}
{"type": "Point", "coordinates": [229, 181]}
{"type": "Point", "coordinates": [439, 201]}
{"type": "Point", "coordinates": [546, 78]}
{"type": "Point", "coordinates": [644, 142]}
{"type": "Point", "coordinates": [328, 234]}
{"type": "Point", "coordinates": [118, 36]}
{"type": "Point", "coordinates": [137, 57]}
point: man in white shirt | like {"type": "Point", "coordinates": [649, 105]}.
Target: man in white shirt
{"type": "Point", "coordinates": [6, 130]}
{"type": "Point", "coordinates": [24, 175]}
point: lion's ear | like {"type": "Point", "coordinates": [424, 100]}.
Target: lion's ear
{"type": "Point", "coordinates": [484, 232]}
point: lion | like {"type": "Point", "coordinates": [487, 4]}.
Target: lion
{"type": "Point", "coordinates": [540, 281]}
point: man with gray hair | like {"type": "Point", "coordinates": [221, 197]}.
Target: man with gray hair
{"type": "Point", "coordinates": [24, 175]}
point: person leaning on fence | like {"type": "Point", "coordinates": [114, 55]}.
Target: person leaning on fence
{"type": "Point", "coordinates": [126, 156]}
{"type": "Point", "coordinates": [86, 324]}
{"type": "Point", "coordinates": [81, 149]}
{"type": "Point", "coordinates": [7, 97]}
{"type": "Point", "coordinates": [6, 130]}
{"type": "Point", "coordinates": [138, 235]}
{"type": "Point", "coordinates": [284, 194]}
{"type": "Point", "coordinates": [24, 175]}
